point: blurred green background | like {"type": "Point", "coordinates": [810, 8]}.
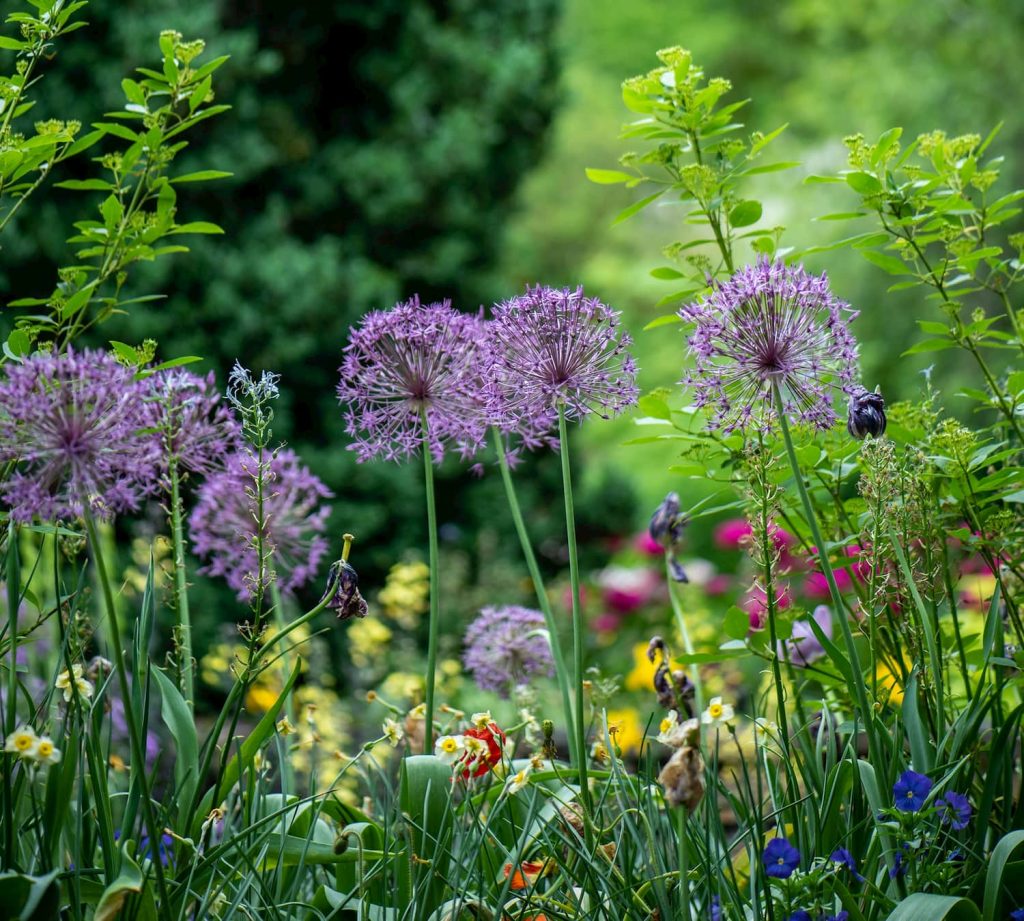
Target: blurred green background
{"type": "Point", "coordinates": [382, 149]}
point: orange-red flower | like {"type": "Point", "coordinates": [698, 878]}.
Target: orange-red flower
{"type": "Point", "coordinates": [526, 874]}
{"type": "Point", "coordinates": [485, 760]}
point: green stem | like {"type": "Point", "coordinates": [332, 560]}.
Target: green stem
{"type": "Point", "coordinates": [577, 614]}
{"type": "Point", "coordinates": [435, 607]}
{"type": "Point", "coordinates": [10, 715]}
{"type": "Point", "coordinates": [181, 589]}
{"type": "Point", "coordinates": [839, 614]}
{"type": "Point", "coordinates": [287, 775]}
{"type": "Point", "coordinates": [683, 858]}
{"type": "Point", "coordinates": [561, 670]}
{"type": "Point", "coordinates": [134, 735]}
{"type": "Point", "coordinates": [677, 611]}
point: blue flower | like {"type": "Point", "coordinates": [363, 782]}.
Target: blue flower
{"type": "Point", "coordinates": [842, 916]}
{"type": "Point", "coordinates": [800, 915]}
{"type": "Point", "coordinates": [843, 857]}
{"type": "Point", "coordinates": [911, 790]}
{"type": "Point", "coordinates": [899, 863]}
{"type": "Point", "coordinates": [1017, 914]}
{"type": "Point", "coordinates": [716, 908]}
{"type": "Point", "coordinates": [780, 858]}
{"type": "Point", "coordinates": [955, 809]}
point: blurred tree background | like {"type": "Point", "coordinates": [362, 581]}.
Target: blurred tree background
{"type": "Point", "coordinates": [438, 146]}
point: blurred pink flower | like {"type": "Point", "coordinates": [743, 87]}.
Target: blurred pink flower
{"type": "Point", "coordinates": [718, 585]}
{"type": "Point", "coordinates": [626, 588]}
{"type": "Point", "coordinates": [732, 534]}
{"type": "Point", "coordinates": [608, 622]}
{"type": "Point", "coordinates": [803, 646]}
{"type": "Point", "coordinates": [815, 585]}
{"type": "Point", "coordinates": [755, 603]}
{"type": "Point", "coordinates": [647, 545]}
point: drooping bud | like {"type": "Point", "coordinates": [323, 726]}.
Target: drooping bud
{"type": "Point", "coordinates": [866, 414]}
{"type": "Point", "coordinates": [343, 587]}
{"type": "Point", "coordinates": [666, 528]}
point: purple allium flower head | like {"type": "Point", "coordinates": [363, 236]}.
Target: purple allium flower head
{"type": "Point", "coordinates": [75, 424]}
{"type": "Point", "coordinates": [223, 524]}
{"type": "Point", "coordinates": [911, 790]}
{"type": "Point", "coordinates": [407, 361]}
{"type": "Point", "coordinates": [507, 646]}
{"type": "Point", "coordinates": [955, 809]}
{"type": "Point", "coordinates": [803, 647]}
{"type": "Point", "coordinates": [194, 426]}
{"type": "Point", "coordinates": [780, 858]}
{"type": "Point", "coordinates": [557, 347]}
{"type": "Point", "coordinates": [770, 324]}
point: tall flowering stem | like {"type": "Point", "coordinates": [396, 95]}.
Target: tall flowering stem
{"type": "Point", "coordinates": [577, 615]}
{"type": "Point", "coordinates": [561, 670]}
{"type": "Point", "coordinates": [134, 730]}
{"type": "Point", "coordinates": [435, 600]}
{"type": "Point", "coordinates": [859, 688]}
{"type": "Point", "coordinates": [181, 587]}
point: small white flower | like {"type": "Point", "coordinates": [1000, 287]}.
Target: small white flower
{"type": "Point", "coordinates": [22, 741]}
{"type": "Point", "coordinates": [450, 748]}
{"type": "Point", "coordinates": [285, 727]}
{"type": "Point", "coordinates": [765, 728]}
{"type": "Point", "coordinates": [475, 749]}
{"type": "Point", "coordinates": [668, 727]}
{"type": "Point", "coordinates": [46, 752]}
{"type": "Point", "coordinates": [65, 680]}
{"type": "Point", "coordinates": [515, 782]}
{"type": "Point", "coordinates": [481, 720]}
{"type": "Point", "coordinates": [717, 713]}
{"type": "Point", "coordinates": [393, 732]}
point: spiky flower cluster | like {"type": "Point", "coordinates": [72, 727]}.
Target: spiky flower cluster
{"type": "Point", "coordinates": [412, 363]}
{"type": "Point", "coordinates": [507, 646]}
{"type": "Point", "coordinates": [770, 325]}
{"type": "Point", "coordinates": [198, 431]}
{"type": "Point", "coordinates": [226, 521]}
{"type": "Point", "coordinates": [557, 347]}
{"type": "Point", "coordinates": [76, 425]}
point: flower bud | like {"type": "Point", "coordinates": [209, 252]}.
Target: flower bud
{"type": "Point", "coordinates": [343, 585]}
{"type": "Point", "coordinates": [866, 415]}
{"type": "Point", "coordinates": [667, 523]}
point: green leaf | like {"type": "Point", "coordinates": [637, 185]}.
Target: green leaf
{"type": "Point", "coordinates": [884, 144]}
{"type": "Point", "coordinates": [86, 185]}
{"type": "Point", "coordinates": [197, 227]}
{"type": "Point", "coordinates": [29, 898]}
{"type": "Point", "coordinates": [769, 168]}
{"type": "Point", "coordinates": [736, 623]}
{"type": "Point", "coordinates": [666, 273]}
{"type": "Point", "coordinates": [203, 175]}
{"type": "Point", "coordinates": [923, 906]}
{"type": "Point", "coordinates": [921, 750]}
{"type": "Point", "coordinates": [636, 207]}
{"type": "Point", "coordinates": [178, 719]}
{"type": "Point", "coordinates": [112, 211]}
{"type": "Point", "coordinates": [18, 343]}
{"type": "Point", "coordinates": [884, 261]}
{"type": "Point", "coordinates": [998, 886]}
{"type": "Point", "coordinates": [425, 793]}
{"type": "Point", "coordinates": [655, 406]}
{"type": "Point", "coordinates": [666, 320]}
{"type": "Point", "coordinates": [745, 213]}
{"type": "Point", "coordinates": [11, 44]}
{"type": "Point", "coordinates": [129, 881]}
{"type": "Point", "coordinates": [125, 352]}
{"type": "Point", "coordinates": [608, 176]}
{"type": "Point", "coordinates": [929, 345]}
{"type": "Point", "coordinates": [863, 183]}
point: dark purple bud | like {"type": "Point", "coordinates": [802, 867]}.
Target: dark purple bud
{"type": "Point", "coordinates": [676, 568]}
{"type": "Point", "coordinates": [343, 587]}
{"type": "Point", "coordinates": [866, 415]}
{"type": "Point", "coordinates": [667, 522]}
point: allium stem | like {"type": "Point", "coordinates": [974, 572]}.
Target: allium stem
{"type": "Point", "coordinates": [13, 578]}
{"type": "Point", "coordinates": [839, 606]}
{"type": "Point", "coordinates": [677, 611]}
{"type": "Point", "coordinates": [435, 606]}
{"type": "Point", "coordinates": [577, 614]}
{"type": "Point", "coordinates": [683, 859]}
{"type": "Point", "coordinates": [561, 670]}
{"type": "Point", "coordinates": [138, 766]}
{"type": "Point", "coordinates": [181, 588]}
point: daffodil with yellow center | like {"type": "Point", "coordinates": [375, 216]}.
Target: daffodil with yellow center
{"type": "Point", "coordinates": [67, 680]}
{"type": "Point", "coordinates": [392, 732]}
{"type": "Point", "coordinates": [46, 752]}
{"type": "Point", "coordinates": [481, 720]}
{"type": "Point", "coordinates": [22, 742]}
{"type": "Point", "coordinates": [520, 779]}
{"type": "Point", "coordinates": [717, 713]}
{"type": "Point", "coordinates": [450, 748]}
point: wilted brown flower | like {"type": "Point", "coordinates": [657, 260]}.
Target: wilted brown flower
{"type": "Point", "coordinates": [682, 778]}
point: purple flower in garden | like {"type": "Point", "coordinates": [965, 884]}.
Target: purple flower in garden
{"type": "Point", "coordinates": [845, 859]}
{"type": "Point", "coordinates": [556, 347]}
{"type": "Point", "coordinates": [75, 424]}
{"type": "Point", "coordinates": [800, 915]}
{"type": "Point", "coordinates": [408, 361]}
{"type": "Point", "coordinates": [866, 413]}
{"type": "Point", "coordinates": [770, 324]}
{"type": "Point", "coordinates": [911, 790]}
{"type": "Point", "coordinates": [780, 858]}
{"type": "Point", "coordinates": [955, 809]}
{"type": "Point", "coordinates": [803, 647]}
{"type": "Point", "coordinates": [840, 916]}
{"type": "Point", "coordinates": [194, 426]}
{"type": "Point", "coordinates": [899, 862]}
{"type": "Point", "coordinates": [1017, 914]}
{"type": "Point", "coordinates": [507, 646]}
{"type": "Point", "coordinates": [715, 912]}
{"type": "Point", "coordinates": [223, 524]}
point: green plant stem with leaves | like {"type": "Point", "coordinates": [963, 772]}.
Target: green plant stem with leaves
{"type": "Point", "coordinates": [561, 669]}
{"type": "Point", "coordinates": [181, 588]}
{"type": "Point", "coordinates": [138, 750]}
{"type": "Point", "coordinates": [433, 627]}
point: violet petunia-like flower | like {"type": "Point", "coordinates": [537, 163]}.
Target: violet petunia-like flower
{"type": "Point", "coordinates": [955, 810]}
{"type": "Point", "coordinates": [223, 524]}
{"type": "Point", "coordinates": [408, 362]}
{"type": "Point", "coordinates": [770, 325]}
{"type": "Point", "coordinates": [780, 858]}
{"type": "Point", "coordinates": [195, 428]}
{"type": "Point", "coordinates": [911, 790]}
{"type": "Point", "coordinates": [75, 425]}
{"type": "Point", "coordinates": [556, 347]}
{"type": "Point", "coordinates": [507, 646]}
{"type": "Point", "coordinates": [845, 859]}
{"type": "Point", "coordinates": [803, 646]}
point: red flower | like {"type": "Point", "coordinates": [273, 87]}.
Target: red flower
{"type": "Point", "coordinates": [494, 739]}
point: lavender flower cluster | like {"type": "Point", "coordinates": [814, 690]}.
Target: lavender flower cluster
{"type": "Point", "coordinates": [506, 647]}
{"type": "Point", "coordinates": [429, 374]}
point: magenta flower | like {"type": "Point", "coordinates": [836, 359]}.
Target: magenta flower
{"type": "Point", "coordinates": [75, 426]}
{"type": "Point", "coordinates": [409, 361]}
{"type": "Point", "coordinates": [558, 348]}
{"type": "Point", "coordinates": [507, 646]}
{"type": "Point", "coordinates": [770, 324]}
{"type": "Point", "coordinates": [223, 524]}
{"type": "Point", "coordinates": [195, 427]}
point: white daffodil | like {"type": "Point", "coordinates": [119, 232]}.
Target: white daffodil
{"type": "Point", "coordinates": [393, 732]}
{"type": "Point", "coordinates": [766, 729]}
{"type": "Point", "coordinates": [46, 752]}
{"type": "Point", "coordinates": [515, 782]}
{"type": "Point", "coordinates": [667, 728]}
{"type": "Point", "coordinates": [22, 742]}
{"type": "Point", "coordinates": [717, 713]}
{"type": "Point", "coordinates": [481, 720]}
{"type": "Point", "coordinates": [450, 748]}
{"type": "Point", "coordinates": [66, 680]}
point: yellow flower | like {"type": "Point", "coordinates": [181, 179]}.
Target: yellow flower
{"type": "Point", "coordinates": [261, 697]}
{"type": "Point", "coordinates": [406, 593]}
{"type": "Point", "coordinates": [890, 683]}
{"type": "Point", "coordinates": [482, 719]}
{"type": "Point", "coordinates": [625, 729]}
{"type": "Point", "coordinates": [517, 781]}
{"type": "Point", "coordinates": [65, 680]}
{"type": "Point", "coordinates": [366, 639]}
{"type": "Point", "coordinates": [285, 727]}
{"type": "Point", "coordinates": [22, 742]}
{"type": "Point", "coordinates": [402, 686]}
{"type": "Point", "coordinates": [641, 678]}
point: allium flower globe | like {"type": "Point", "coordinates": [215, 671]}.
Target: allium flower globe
{"type": "Point", "coordinates": [75, 425]}
{"type": "Point", "coordinates": [507, 646]}
{"type": "Point", "coordinates": [770, 324]}
{"type": "Point", "coordinates": [223, 523]}
{"type": "Point", "coordinates": [412, 360]}
{"type": "Point", "coordinates": [556, 347]}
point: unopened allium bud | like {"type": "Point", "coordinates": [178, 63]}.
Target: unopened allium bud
{"type": "Point", "coordinates": [866, 415]}
{"type": "Point", "coordinates": [343, 586]}
{"type": "Point", "coordinates": [667, 525]}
